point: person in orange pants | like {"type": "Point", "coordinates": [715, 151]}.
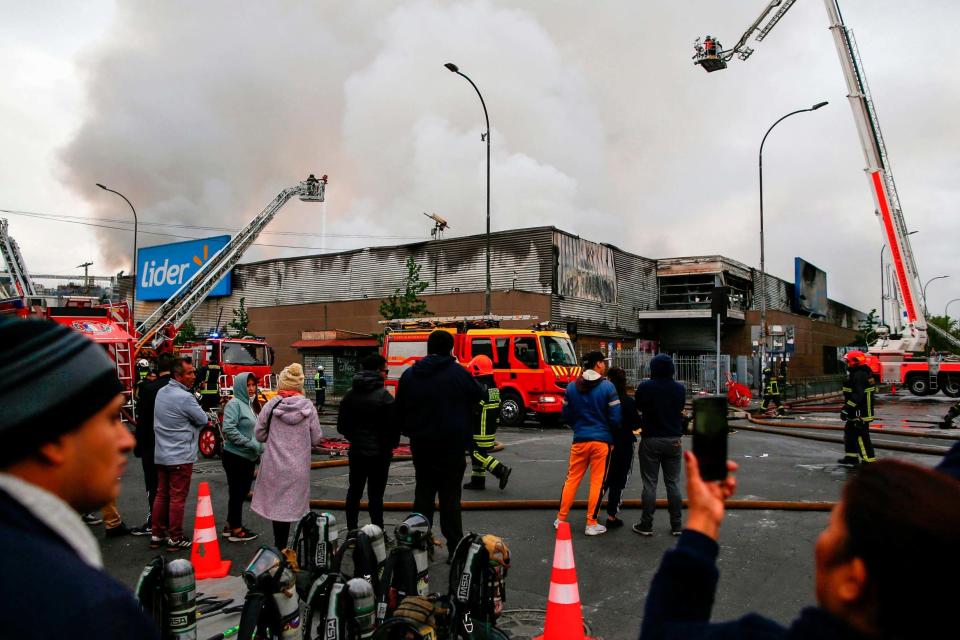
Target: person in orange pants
{"type": "Point", "coordinates": [591, 407]}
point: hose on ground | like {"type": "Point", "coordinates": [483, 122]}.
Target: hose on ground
{"type": "Point", "coordinates": [877, 444]}
{"type": "Point", "coordinates": [829, 427]}
{"type": "Point", "coordinates": [343, 461]}
{"type": "Point", "coordinates": [515, 505]}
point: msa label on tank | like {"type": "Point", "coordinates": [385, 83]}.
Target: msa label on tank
{"type": "Point", "coordinates": [321, 555]}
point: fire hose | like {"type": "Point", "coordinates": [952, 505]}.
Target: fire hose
{"type": "Point", "coordinates": [829, 427]}
{"type": "Point", "coordinates": [877, 444]}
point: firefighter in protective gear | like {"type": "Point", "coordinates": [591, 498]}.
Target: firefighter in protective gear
{"type": "Point", "coordinates": [771, 393]}
{"type": "Point", "coordinates": [485, 428]}
{"type": "Point", "coordinates": [208, 385]}
{"type": "Point", "coordinates": [949, 420]}
{"type": "Point", "coordinates": [857, 413]}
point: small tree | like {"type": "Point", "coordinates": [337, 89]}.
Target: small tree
{"type": "Point", "coordinates": [405, 301]}
{"type": "Point", "coordinates": [866, 329]}
{"type": "Point", "coordinates": [186, 333]}
{"type": "Point", "coordinates": [938, 342]}
{"type": "Point", "coordinates": [241, 319]}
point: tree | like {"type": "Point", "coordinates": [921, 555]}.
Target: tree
{"type": "Point", "coordinates": [186, 333]}
{"type": "Point", "coordinates": [241, 319]}
{"type": "Point", "coordinates": [866, 333]}
{"type": "Point", "coordinates": [405, 301]}
{"type": "Point", "coordinates": [938, 342]}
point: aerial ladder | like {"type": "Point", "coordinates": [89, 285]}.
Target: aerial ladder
{"type": "Point", "coordinates": [891, 352]}
{"type": "Point", "coordinates": [19, 277]}
{"type": "Point", "coordinates": [175, 310]}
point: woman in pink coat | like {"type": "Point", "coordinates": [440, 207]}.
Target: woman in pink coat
{"type": "Point", "coordinates": [288, 426]}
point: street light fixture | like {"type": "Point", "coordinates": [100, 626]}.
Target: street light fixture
{"type": "Point", "coordinates": [948, 306]}
{"type": "Point", "coordinates": [485, 136]}
{"type": "Point", "coordinates": [763, 272]}
{"type": "Point", "coordinates": [882, 296]}
{"type": "Point", "coordinates": [133, 291]}
{"type": "Point", "coordinates": [925, 291]}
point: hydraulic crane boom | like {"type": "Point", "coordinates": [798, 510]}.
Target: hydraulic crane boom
{"type": "Point", "coordinates": [182, 303]}
{"type": "Point", "coordinates": [19, 277]}
{"type": "Point", "coordinates": [712, 57]}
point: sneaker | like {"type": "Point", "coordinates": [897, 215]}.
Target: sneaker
{"type": "Point", "coordinates": [178, 544]}
{"type": "Point", "coordinates": [155, 542]}
{"type": "Point", "coordinates": [556, 523]}
{"type": "Point", "coordinates": [644, 531]}
{"type": "Point", "coordinates": [243, 535]}
{"type": "Point", "coordinates": [117, 531]}
{"type": "Point", "coordinates": [676, 532]}
{"type": "Point", "coordinates": [616, 523]}
{"type": "Point", "coordinates": [143, 530]}
{"type": "Point", "coordinates": [92, 519]}
{"type": "Point", "coordinates": [595, 529]}
{"type": "Point", "coordinates": [226, 531]}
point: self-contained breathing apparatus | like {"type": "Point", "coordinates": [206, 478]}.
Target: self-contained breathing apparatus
{"type": "Point", "coordinates": [271, 608]}
{"type": "Point", "coordinates": [167, 594]}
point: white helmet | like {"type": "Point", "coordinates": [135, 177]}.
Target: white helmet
{"type": "Point", "coordinates": [319, 368]}
{"type": "Point", "coordinates": [143, 363]}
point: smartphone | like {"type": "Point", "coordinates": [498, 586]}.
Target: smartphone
{"type": "Point", "coordinates": [710, 436]}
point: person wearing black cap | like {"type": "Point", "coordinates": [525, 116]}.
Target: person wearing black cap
{"type": "Point", "coordinates": [62, 449]}
{"type": "Point", "coordinates": [436, 398]}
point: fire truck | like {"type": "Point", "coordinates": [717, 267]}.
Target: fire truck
{"type": "Point", "coordinates": [899, 354]}
{"type": "Point", "coordinates": [531, 367]}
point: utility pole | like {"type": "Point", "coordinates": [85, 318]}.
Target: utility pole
{"type": "Point", "coordinates": [86, 273]}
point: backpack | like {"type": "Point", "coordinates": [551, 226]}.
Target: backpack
{"type": "Point", "coordinates": [315, 543]}
{"type": "Point", "coordinates": [478, 589]}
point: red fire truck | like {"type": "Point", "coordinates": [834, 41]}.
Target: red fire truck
{"type": "Point", "coordinates": [532, 367]}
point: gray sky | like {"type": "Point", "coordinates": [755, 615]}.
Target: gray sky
{"type": "Point", "coordinates": [201, 112]}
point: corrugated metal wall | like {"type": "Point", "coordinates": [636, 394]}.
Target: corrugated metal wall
{"type": "Point", "coordinates": [520, 260]}
{"type": "Point", "coordinates": [636, 290]}
{"type": "Point", "coordinates": [776, 291]}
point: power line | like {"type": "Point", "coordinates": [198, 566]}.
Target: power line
{"type": "Point", "coordinates": [82, 222]}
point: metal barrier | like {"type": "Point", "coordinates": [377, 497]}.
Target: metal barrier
{"type": "Point", "coordinates": [797, 388]}
{"type": "Point", "coordinates": [697, 373]}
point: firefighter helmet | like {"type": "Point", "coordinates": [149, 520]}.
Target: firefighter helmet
{"type": "Point", "coordinates": [481, 366]}
{"type": "Point", "coordinates": [143, 363]}
{"type": "Point", "coordinates": [855, 359]}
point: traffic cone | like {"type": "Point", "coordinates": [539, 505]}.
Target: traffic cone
{"type": "Point", "coordinates": [205, 555]}
{"type": "Point", "coordinates": [564, 618]}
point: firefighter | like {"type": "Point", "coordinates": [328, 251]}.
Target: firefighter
{"type": "Point", "coordinates": [857, 412]}
{"type": "Point", "coordinates": [950, 418]}
{"type": "Point", "coordinates": [320, 385]}
{"type": "Point", "coordinates": [208, 385]}
{"type": "Point", "coordinates": [485, 428]}
{"type": "Point", "coordinates": [709, 46]}
{"type": "Point", "coordinates": [771, 392]}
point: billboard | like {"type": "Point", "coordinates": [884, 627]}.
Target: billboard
{"type": "Point", "coordinates": [162, 269]}
{"type": "Point", "coordinates": [810, 288]}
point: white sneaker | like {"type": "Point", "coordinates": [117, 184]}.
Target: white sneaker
{"type": "Point", "coordinates": [556, 523]}
{"type": "Point", "coordinates": [595, 529]}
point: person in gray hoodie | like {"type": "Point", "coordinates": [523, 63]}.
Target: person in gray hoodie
{"type": "Point", "coordinates": [240, 454]}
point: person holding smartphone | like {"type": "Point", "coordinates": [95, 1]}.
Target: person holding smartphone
{"type": "Point", "coordinates": [895, 529]}
{"type": "Point", "coordinates": [660, 401]}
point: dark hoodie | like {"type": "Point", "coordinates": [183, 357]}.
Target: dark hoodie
{"type": "Point", "coordinates": [367, 416]}
{"type": "Point", "coordinates": [660, 401]}
{"type": "Point", "coordinates": [436, 398]}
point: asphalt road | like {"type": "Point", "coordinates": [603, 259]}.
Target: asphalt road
{"type": "Point", "coordinates": [766, 559]}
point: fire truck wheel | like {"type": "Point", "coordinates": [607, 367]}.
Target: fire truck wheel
{"type": "Point", "coordinates": [512, 411]}
{"type": "Point", "coordinates": [209, 442]}
{"type": "Point", "coordinates": [918, 384]}
{"type": "Point", "coordinates": [949, 384]}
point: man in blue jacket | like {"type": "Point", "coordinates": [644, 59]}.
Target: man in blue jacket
{"type": "Point", "coordinates": [63, 449]}
{"type": "Point", "coordinates": [893, 536]}
{"type": "Point", "coordinates": [436, 398]}
{"type": "Point", "coordinates": [660, 402]}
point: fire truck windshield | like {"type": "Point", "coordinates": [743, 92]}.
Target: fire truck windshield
{"type": "Point", "coordinates": [244, 353]}
{"type": "Point", "coordinates": [558, 351]}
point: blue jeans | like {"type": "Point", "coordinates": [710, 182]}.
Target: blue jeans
{"type": "Point", "coordinates": [656, 453]}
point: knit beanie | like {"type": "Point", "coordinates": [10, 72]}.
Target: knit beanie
{"type": "Point", "coordinates": [291, 378]}
{"type": "Point", "coordinates": [52, 380]}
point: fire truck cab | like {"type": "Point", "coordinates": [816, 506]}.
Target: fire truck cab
{"type": "Point", "coordinates": [532, 367]}
{"type": "Point", "coordinates": [233, 356]}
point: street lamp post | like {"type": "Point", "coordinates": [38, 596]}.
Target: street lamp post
{"type": "Point", "coordinates": [882, 296]}
{"type": "Point", "coordinates": [925, 291]}
{"type": "Point", "coordinates": [133, 291]}
{"type": "Point", "coordinates": [486, 136]}
{"type": "Point", "coordinates": [948, 306]}
{"type": "Point", "coordinates": [763, 271]}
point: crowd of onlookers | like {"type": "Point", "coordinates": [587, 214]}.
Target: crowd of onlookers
{"type": "Point", "coordinates": [884, 566]}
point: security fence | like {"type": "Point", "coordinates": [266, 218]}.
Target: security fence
{"type": "Point", "coordinates": [798, 388]}
{"type": "Point", "coordinates": [698, 373]}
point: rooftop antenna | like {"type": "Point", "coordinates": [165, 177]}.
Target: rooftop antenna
{"type": "Point", "coordinates": [86, 273]}
{"type": "Point", "coordinates": [439, 225]}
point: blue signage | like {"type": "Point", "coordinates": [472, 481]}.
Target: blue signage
{"type": "Point", "coordinates": [163, 269]}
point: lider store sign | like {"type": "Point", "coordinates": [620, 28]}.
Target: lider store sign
{"type": "Point", "coordinates": [163, 269]}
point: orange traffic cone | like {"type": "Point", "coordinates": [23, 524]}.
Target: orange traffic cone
{"type": "Point", "coordinates": [205, 555]}
{"type": "Point", "coordinates": [564, 618]}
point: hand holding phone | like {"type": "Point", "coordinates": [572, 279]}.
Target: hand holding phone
{"type": "Point", "coordinates": [710, 432]}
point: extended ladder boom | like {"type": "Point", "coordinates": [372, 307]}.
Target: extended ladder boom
{"type": "Point", "coordinates": [182, 303]}
{"type": "Point", "coordinates": [22, 284]}
{"type": "Point", "coordinates": [882, 185]}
